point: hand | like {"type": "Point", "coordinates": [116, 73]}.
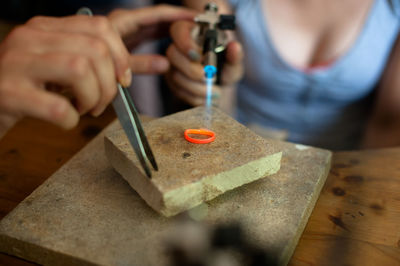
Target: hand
{"type": "Point", "coordinates": [138, 25]}
{"type": "Point", "coordinates": [186, 77]}
{"type": "Point", "coordinates": [83, 56]}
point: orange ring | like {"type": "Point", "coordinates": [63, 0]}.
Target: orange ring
{"type": "Point", "coordinates": [200, 131]}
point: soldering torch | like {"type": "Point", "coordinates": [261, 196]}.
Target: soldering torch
{"type": "Point", "coordinates": [210, 34]}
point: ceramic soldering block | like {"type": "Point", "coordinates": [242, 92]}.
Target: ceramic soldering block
{"type": "Point", "coordinates": [190, 174]}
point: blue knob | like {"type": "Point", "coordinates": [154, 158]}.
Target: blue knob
{"type": "Point", "coordinates": [210, 71]}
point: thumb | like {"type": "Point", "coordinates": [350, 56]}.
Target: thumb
{"type": "Point", "coordinates": [148, 64]}
{"type": "Point", "coordinates": [233, 68]}
{"type": "Point", "coordinates": [234, 53]}
{"type": "Point", "coordinates": [181, 35]}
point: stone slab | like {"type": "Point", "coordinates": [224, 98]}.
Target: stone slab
{"type": "Point", "coordinates": [87, 214]}
{"type": "Point", "coordinates": [190, 174]}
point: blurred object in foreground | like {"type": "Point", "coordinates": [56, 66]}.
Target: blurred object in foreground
{"type": "Point", "coordinates": [193, 243]}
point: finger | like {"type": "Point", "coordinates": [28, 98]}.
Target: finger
{"type": "Point", "coordinates": [129, 21]}
{"type": "Point", "coordinates": [148, 64]}
{"type": "Point", "coordinates": [22, 91]}
{"type": "Point", "coordinates": [184, 94]}
{"type": "Point", "coordinates": [233, 68]}
{"type": "Point", "coordinates": [53, 108]}
{"type": "Point", "coordinates": [194, 93]}
{"type": "Point", "coordinates": [198, 89]}
{"type": "Point", "coordinates": [97, 27]}
{"type": "Point", "coordinates": [74, 43]}
{"type": "Point", "coordinates": [191, 69]}
{"type": "Point", "coordinates": [72, 71]}
{"type": "Point", "coordinates": [234, 53]}
{"type": "Point", "coordinates": [181, 35]}
{"type": "Point", "coordinates": [28, 100]}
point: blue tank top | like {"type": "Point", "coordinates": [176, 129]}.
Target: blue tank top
{"type": "Point", "coordinates": [327, 107]}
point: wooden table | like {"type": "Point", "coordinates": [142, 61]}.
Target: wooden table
{"type": "Point", "coordinates": [356, 220]}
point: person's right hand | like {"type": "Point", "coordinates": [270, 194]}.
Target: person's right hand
{"type": "Point", "coordinates": [137, 26]}
{"type": "Point", "coordinates": [81, 55]}
{"type": "Point", "coordinates": [186, 77]}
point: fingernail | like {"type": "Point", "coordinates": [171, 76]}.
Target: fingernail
{"type": "Point", "coordinates": [81, 111]}
{"type": "Point", "coordinates": [160, 65]}
{"type": "Point", "coordinates": [70, 115]}
{"type": "Point", "coordinates": [97, 113]}
{"type": "Point", "coordinates": [77, 106]}
{"type": "Point", "coordinates": [127, 78]}
{"type": "Point", "coordinates": [194, 55]}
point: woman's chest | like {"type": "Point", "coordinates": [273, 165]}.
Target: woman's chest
{"type": "Point", "coordinates": [311, 32]}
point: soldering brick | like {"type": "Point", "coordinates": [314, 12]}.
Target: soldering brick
{"type": "Point", "coordinates": [189, 173]}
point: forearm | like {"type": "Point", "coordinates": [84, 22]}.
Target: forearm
{"type": "Point", "coordinates": [382, 131]}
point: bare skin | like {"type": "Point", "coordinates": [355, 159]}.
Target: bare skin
{"type": "Point", "coordinates": [310, 32]}
{"type": "Point", "coordinates": [81, 56]}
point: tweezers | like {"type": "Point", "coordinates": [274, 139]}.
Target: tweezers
{"type": "Point", "coordinates": [129, 119]}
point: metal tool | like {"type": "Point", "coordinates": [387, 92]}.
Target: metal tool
{"type": "Point", "coordinates": [130, 121]}
{"type": "Point", "coordinates": [210, 34]}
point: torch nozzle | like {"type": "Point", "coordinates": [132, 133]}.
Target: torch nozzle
{"type": "Point", "coordinates": [210, 71]}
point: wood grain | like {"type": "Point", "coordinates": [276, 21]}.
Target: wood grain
{"type": "Point", "coordinates": [32, 151]}
{"type": "Point", "coordinates": [355, 221]}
